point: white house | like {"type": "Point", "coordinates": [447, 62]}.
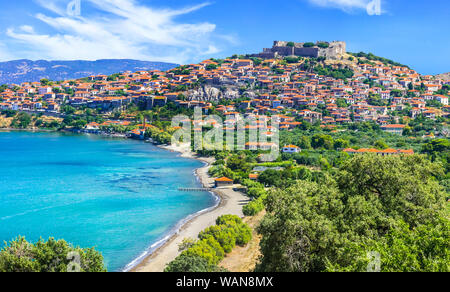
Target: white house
{"type": "Point", "coordinates": [44, 90]}
{"type": "Point", "coordinates": [393, 129]}
{"type": "Point", "coordinates": [442, 99]}
{"type": "Point", "coordinates": [291, 149]}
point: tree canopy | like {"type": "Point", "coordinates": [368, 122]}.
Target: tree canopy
{"type": "Point", "coordinates": [49, 256]}
{"type": "Point", "coordinates": [390, 205]}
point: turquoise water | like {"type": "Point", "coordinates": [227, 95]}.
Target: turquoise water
{"type": "Point", "coordinates": [120, 196]}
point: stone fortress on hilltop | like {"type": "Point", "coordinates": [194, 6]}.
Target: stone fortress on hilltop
{"type": "Point", "coordinates": [333, 50]}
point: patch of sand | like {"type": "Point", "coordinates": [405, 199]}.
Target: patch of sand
{"type": "Point", "coordinates": [231, 203]}
{"type": "Point", "coordinates": [244, 259]}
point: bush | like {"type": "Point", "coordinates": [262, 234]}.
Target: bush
{"type": "Point", "coordinates": [292, 60]}
{"type": "Point", "coordinates": [242, 231]}
{"type": "Point", "coordinates": [270, 177]}
{"type": "Point", "coordinates": [215, 241]}
{"type": "Point", "coordinates": [393, 205]}
{"type": "Point", "coordinates": [256, 192]}
{"type": "Point", "coordinates": [225, 236]}
{"type": "Point", "coordinates": [254, 207]}
{"type": "Point", "coordinates": [22, 121]}
{"type": "Point", "coordinates": [226, 219]}
{"type": "Point", "coordinates": [205, 250]}
{"type": "Point", "coordinates": [9, 113]}
{"type": "Point", "coordinates": [48, 256]}
{"type": "Point", "coordinates": [304, 173]}
{"type": "Point", "coordinates": [251, 184]}
{"type": "Point", "coordinates": [190, 264]}
{"type": "Point", "coordinates": [243, 234]}
{"type": "Point", "coordinates": [290, 44]}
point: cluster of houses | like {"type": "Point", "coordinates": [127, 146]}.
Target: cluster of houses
{"type": "Point", "coordinates": [273, 87]}
{"type": "Point", "coordinates": [385, 152]}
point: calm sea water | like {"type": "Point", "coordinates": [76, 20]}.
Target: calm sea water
{"type": "Point", "coordinates": [119, 196]}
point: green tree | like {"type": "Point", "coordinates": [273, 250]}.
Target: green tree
{"type": "Point", "coordinates": [191, 264]}
{"type": "Point", "coordinates": [48, 256]}
{"type": "Point", "coordinates": [22, 121]}
{"type": "Point", "coordinates": [270, 177]}
{"type": "Point", "coordinates": [381, 145]}
{"type": "Point", "coordinates": [238, 163]}
{"type": "Point", "coordinates": [204, 249]}
{"type": "Point", "coordinates": [45, 82]}
{"type": "Point", "coordinates": [341, 144]}
{"type": "Point", "coordinates": [423, 249]}
{"type": "Point", "coordinates": [322, 141]}
{"type": "Point", "coordinates": [290, 44]}
{"type": "Point", "coordinates": [305, 142]}
{"type": "Point", "coordinates": [225, 236]}
{"type": "Point", "coordinates": [333, 223]}
{"type": "Point", "coordinates": [254, 207]}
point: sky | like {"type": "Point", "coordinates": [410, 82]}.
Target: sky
{"type": "Point", "coordinates": [412, 32]}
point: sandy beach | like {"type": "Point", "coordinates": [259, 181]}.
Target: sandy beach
{"type": "Point", "coordinates": [231, 203]}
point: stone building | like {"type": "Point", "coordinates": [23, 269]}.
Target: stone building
{"type": "Point", "coordinates": [334, 50]}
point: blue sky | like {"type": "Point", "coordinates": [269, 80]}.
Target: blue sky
{"type": "Point", "coordinates": [412, 32]}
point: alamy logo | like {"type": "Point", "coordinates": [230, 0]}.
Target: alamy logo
{"type": "Point", "coordinates": [374, 7]}
{"type": "Point", "coordinates": [74, 8]}
{"type": "Point", "coordinates": [74, 265]}
{"type": "Point", "coordinates": [252, 133]}
{"type": "Point", "coordinates": [374, 265]}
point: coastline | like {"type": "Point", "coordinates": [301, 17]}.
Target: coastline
{"type": "Point", "coordinates": [231, 202]}
{"type": "Point", "coordinates": [157, 256]}
{"type": "Point", "coordinates": [26, 130]}
{"type": "Point", "coordinates": [39, 130]}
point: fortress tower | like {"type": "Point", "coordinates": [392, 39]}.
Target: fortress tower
{"type": "Point", "coordinates": [333, 50]}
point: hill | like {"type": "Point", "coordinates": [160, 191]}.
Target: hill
{"type": "Point", "coordinates": [445, 76]}
{"type": "Point", "coordinates": [18, 71]}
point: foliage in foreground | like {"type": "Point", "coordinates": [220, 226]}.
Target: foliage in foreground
{"type": "Point", "coordinates": [214, 242]}
{"type": "Point", "coordinates": [390, 205]}
{"type": "Point", "coordinates": [49, 256]}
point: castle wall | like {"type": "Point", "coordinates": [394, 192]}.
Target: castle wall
{"type": "Point", "coordinates": [284, 51]}
{"type": "Point", "coordinates": [307, 52]}
{"type": "Point", "coordinates": [281, 48]}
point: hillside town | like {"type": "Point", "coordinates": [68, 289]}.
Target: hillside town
{"type": "Point", "coordinates": [339, 90]}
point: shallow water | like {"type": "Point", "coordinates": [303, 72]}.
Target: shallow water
{"type": "Point", "coordinates": [120, 196]}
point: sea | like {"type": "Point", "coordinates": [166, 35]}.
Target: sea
{"type": "Point", "coordinates": [120, 196]}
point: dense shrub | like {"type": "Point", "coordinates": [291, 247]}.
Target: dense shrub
{"type": "Point", "coordinates": [214, 242]}
{"type": "Point", "coordinates": [255, 192]}
{"type": "Point", "coordinates": [391, 205]}
{"type": "Point", "coordinates": [226, 219]}
{"type": "Point", "coordinates": [242, 231]}
{"type": "Point", "coordinates": [48, 256]}
{"type": "Point", "coordinates": [224, 235]}
{"type": "Point", "coordinates": [254, 207]}
{"type": "Point", "coordinates": [204, 249]}
{"type": "Point", "coordinates": [191, 264]}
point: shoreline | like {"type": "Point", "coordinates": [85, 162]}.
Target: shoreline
{"type": "Point", "coordinates": [231, 202]}
{"type": "Point", "coordinates": [162, 252]}
{"type": "Point", "coordinates": [37, 130]}
{"type": "Point", "coordinates": [27, 130]}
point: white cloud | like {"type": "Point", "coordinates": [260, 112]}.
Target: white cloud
{"type": "Point", "coordinates": [125, 29]}
{"type": "Point", "coordinates": [345, 5]}
{"type": "Point", "coordinates": [4, 54]}
{"type": "Point", "coordinates": [27, 28]}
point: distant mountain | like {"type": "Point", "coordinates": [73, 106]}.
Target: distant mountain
{"type": "Point", "coordinates": [16, 72]}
